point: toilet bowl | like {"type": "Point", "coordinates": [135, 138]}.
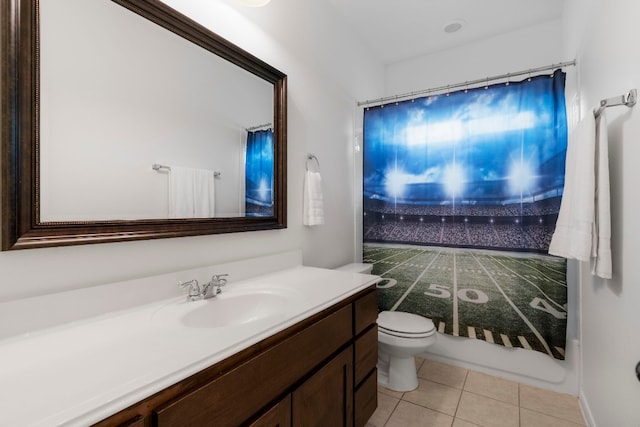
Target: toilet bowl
{"type": "Point", "coordinates": [401, 336]}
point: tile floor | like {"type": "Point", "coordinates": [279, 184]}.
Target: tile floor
{"type": "Point", "coordinates": [450, 396]}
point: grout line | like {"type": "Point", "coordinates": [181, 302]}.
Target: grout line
{"type": "Point", "coordinates": [394, 410]}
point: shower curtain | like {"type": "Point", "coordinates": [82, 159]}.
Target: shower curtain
{"type": "Point", "coordinates": [461, 195]}
{"type": "Point", "coordinates": [259, 173]}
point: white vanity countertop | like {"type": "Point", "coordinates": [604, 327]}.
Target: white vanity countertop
{"type": "Point", "coordinates": [78, 373]}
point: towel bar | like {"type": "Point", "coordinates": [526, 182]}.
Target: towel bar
{"type": "Point", "coordinates": [629, 99]}
{"type": "Point", "coordinates": [158, 167]}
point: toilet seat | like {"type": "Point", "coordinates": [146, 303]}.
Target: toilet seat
{"type": "Point", "coordinates": [405, 325]}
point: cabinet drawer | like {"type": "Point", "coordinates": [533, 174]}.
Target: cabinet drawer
{"type": "Point", "coordinates": [238, 394]}
{"type": "Point", "coordinates": [366, 353]}
{"type": "Point", "coordinates": [366, 399]}
{"type": "Point", "coordinates": [365, 311]}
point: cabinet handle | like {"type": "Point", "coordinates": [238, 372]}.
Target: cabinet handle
{"type": "Point", "coordinates": [638, 371]}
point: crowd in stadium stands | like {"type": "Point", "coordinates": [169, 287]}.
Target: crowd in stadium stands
{"type": "Point", "coordinates": [258, 210]}
{"type": "Point", "coordinates": [503, 236]}
{"type": "Point", "coordinates": [516, 226]}
{"type": "Point", "coordinates": [546, 207]}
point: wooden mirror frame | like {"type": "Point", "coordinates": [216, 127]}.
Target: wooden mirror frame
{"type": "Point", "coordinates": [21, 225]}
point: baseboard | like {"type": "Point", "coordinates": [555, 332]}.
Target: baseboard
{"type": "Point", "coordinates": [586, 411]}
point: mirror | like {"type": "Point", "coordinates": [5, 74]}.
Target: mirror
{"type": "Point", "coordinates": [105, 92]}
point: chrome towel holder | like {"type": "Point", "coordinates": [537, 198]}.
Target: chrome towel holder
{"type": "Point", "coordinates": [629, 99]}
{"type": "Point", "coordinates": [311, 157]}
{"type": "Point", "coordinates": [158, 167]}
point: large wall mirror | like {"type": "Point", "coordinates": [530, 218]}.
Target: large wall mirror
{"type": "Point", "coordinates": [123, 119]}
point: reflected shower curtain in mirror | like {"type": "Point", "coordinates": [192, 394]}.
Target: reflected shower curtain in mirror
{"type": "Point", "coordinates": [461, 196]}
{"type": "Point", "coordinates": [259, 173]}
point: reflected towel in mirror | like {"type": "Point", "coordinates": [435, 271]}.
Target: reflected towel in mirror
{"type": "Point", "coordinates": [313, 209]}
{"type": "Point", "coordinates": [191, 193]}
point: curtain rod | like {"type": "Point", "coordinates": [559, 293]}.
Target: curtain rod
{"type": "Point", "coordinates": [465, 84]}
{"type": "Point", "coordinates": [252, 128]}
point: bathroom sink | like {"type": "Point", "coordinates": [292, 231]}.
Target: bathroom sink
{"type": "Point", "coordinates": [230, 309]}
{"type": "Point", "coordinates": [236, 310]}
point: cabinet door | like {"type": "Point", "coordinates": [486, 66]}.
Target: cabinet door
{"type": "Point", "coordinates": [278, 416]}
{"type": "Point", "coordinates": [326, 399]}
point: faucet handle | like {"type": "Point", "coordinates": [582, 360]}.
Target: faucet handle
{"type": "Point", "coordinates": [194, 288]}
{"type": "Point", "coordinates": [219, 279]}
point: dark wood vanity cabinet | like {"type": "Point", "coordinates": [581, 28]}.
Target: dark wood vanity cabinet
{"type": "Point", "coordinates": [319, 372]}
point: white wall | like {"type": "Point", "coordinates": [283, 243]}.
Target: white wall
{"type": "Point", "coordinates": [520, 50]}
{"type": "Point", "coordinates": [328, 71]}
{"type": "Point", "coordinates": [172, 102]}
{"type": "Point", "coordinates": [531, 47]}
{"type": "Point", "coordinates": [603, 36]}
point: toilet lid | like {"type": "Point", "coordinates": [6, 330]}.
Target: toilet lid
{"type": "Point", "coordinates": [406, 325]}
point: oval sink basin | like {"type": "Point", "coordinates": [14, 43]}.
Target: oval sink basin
{"type": "Point", "coordinates": [230, 310]}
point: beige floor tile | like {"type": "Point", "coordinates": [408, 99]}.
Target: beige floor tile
{"type": "Point", "coordinates": [419, 362]}
{"type": "Point", "coordinates": [458, 422]}
{"type": "Point", "coordinates": [434, 396]}
{"type": "Point", "coordinates": [493, 387]}
{"type": "Point", "coordinates": [386, 405]}
{"type": "Point", "coordinates": [487, 412]}
{"type": "Point", "coordinates": [442, 373]}
{"type": "Point", "coordinates": [410, 415]}
{"type": "Point", "coordinates": [529, 418]}
{"type": "Point", "coordinates": [389, 392]}
{"type": "Point", "coordinates": [557, 405]}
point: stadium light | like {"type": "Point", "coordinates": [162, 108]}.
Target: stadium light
{"type": "Point", "coordinates": [263, 190]}
{"type": "Point", "coordinates": [521, 177]}
{"type": "Point", "coordinates": [395, 183]}
{"type": "Point", "coordinates": [454, 179]}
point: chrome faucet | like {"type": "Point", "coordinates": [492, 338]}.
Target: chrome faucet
{"type": "Point", "coordinates": [208, 290]}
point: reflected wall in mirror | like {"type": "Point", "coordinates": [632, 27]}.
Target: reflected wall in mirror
{"type": "Point", "coordinates": [96, 93]}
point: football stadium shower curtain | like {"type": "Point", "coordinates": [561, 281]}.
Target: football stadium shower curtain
{"type": "Point", "coordinates": [259, 173]}
{"type": "Point", "coordinates": [461, 195]}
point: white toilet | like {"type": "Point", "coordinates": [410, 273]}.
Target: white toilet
{"type": "Point", "coordinates": [401, 336]}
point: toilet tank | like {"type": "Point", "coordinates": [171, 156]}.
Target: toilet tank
{"type": "Point", "coordinates": [356, 267]}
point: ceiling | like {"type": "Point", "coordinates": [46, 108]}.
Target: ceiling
{"type": "Point", "coordinates": [401, 29]}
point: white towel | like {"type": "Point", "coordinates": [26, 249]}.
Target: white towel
{"type": "Point", "coordinates": [583, 229]}
{"type": "Point", "coordinates": [313, 209]}
{"type": "Point", "coordinates": [191, 193]}
{"type": "Point", "coordinates": [601, 237]}
{"type": "Point", "coordinates": [572, 237]}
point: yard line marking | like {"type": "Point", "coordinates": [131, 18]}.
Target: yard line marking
{"type": "Point", "coordinates": [403, 263]}
{"type": "Point", "coordinates": [456, 326]}
{"type": "Point", "coordinates": [408, 291]}
{"type": "Point", "coordinates": [560, 350]}
{"type": "Point", "coordinates": [530, 282]}
{"type": "Point", "coordinates": [472, 332]}
{"type": "Point", "coordinates": [517, 310]}
{"type": "Point", "coordinates": [441, 326]}
{"type": "Point", "coordinates": [488, 336]}
{"type": "Point", "coordinates": [538, 270]}
{"type": "Point", "coordinates": [505, 340]}
{"type": "Point", "coordinates": [524, 342]}
{"type": "Point", "coordinates": [395, 254]}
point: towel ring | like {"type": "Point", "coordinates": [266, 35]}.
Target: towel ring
{"type": "Point", "coordinates": [312, 157]}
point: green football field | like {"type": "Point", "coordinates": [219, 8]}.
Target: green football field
{"type": "Point", "coordinates": [512, 299]}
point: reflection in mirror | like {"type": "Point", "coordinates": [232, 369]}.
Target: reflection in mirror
{"type": "Point", "coordinates": [120, 93]}
{"type": "Point", "coordinates": [95, 92]}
